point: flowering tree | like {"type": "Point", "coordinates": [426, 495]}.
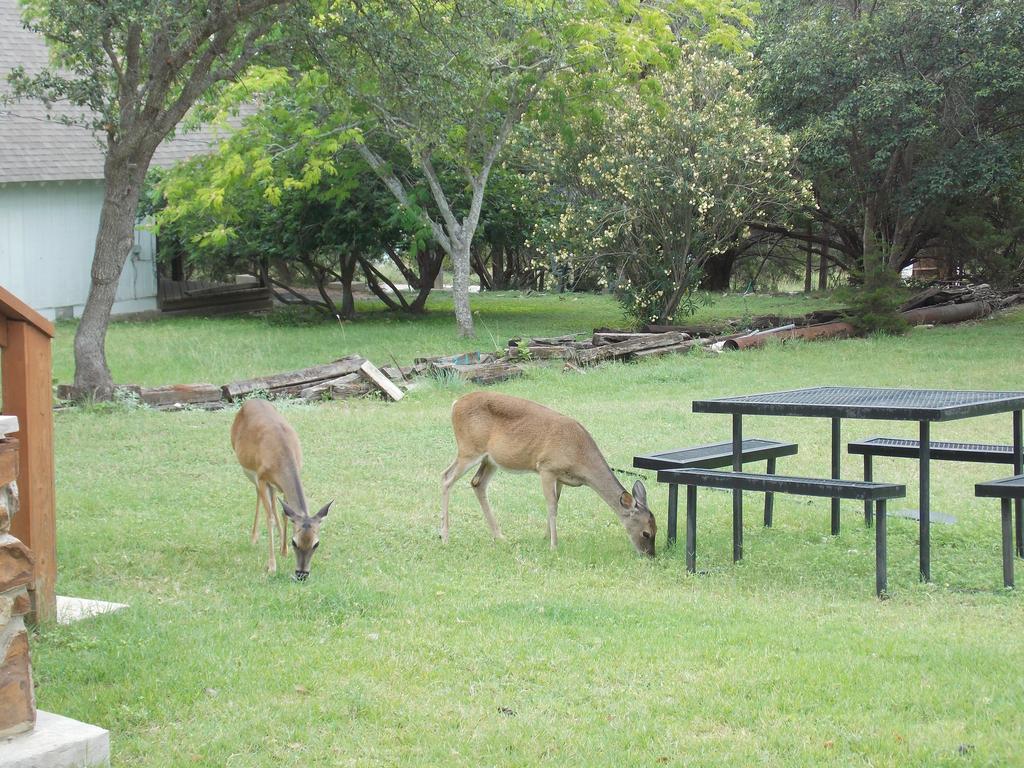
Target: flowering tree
{"type": "Point", "coordinates": [664, 183]}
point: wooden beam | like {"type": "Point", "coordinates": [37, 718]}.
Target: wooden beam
{"type": "Point", "coordinates": [26, 370]}
{"type": "Point", "coordinates": [3, 331]}
{"type": "Point", "coordinates": [14, 308]}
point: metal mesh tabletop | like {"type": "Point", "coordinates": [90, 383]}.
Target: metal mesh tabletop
{"type": "Point", "coordinates": [868, 403]}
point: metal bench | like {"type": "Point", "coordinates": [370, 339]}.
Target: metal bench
{"type": "Point", "coordinates": [1005, 490]}
{"type": "Point", "coordinates": [713, 456]}
{"type": "Point", "coordinates": [901, 448]}
{"type": "Point", "coordinates": [878, 493]}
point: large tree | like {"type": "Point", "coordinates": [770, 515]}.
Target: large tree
{"type": "Point", "coordinates": [657, 188]}
{"type": "Point", "coordinates": [450, 80]}
{"type": "Point", "coordinates": [138, 67]}
{"type": "Point", "coordinates": [909, 115]}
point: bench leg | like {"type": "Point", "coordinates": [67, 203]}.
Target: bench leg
{"type": "Point", "coordinates": [1018, 468]}
{"type": "Point", "coordinates": [769, 498]}
{"type": "Point", "coordinates": [1007, 543]}
{"type": "Point", "coordinates": [737, 495]}
{"type": "Point", "coordinates": [867, 479]}
{"type": "Point", "coordinates": [673, 508]}
{"type": "Point", "coordinates": [881, 557]}
{"type": "Point", "coordinates": [836, 464]}
{"type": "Point", "coordinates": [691, 528]}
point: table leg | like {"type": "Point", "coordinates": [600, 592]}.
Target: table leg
{"type": "Point", "coordinates": [769, 498]}
{"type": "Point", "coordinates": [673, 508]}
{"type": "Point", "coordinates": [1007, 543]}
{"type": "Point", "coordinates": [867, 479]}
{"type": "Point", "coordinates": [881, 557]}
{"type": "Point", "coordinates": [737, 495]}
{"type": "Point", "coordinates": [691, 528]}
{"type": "Point", "coordinates": [924, 458]}
{"type": "Point", "coordinates": [1018, 468]}
{"type": "Point", "coordinates": [836, 456]}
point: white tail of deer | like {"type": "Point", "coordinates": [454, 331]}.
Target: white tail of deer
{"type": "Point", "coordinates": [500, 431]}
{"type": "Point", "coordinates": [268, 449]}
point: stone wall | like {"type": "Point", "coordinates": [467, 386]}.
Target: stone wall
{"type": "Point", "coordinates": [17, 698]}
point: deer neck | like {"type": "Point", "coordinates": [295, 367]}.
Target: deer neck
{"type": "Point", "coordinates": [291, 486]}
{"type": "Point", "coordinates": [608, 487]}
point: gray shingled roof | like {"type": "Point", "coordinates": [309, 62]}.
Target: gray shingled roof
{"type": "Point", "coordinates": [36, 148]}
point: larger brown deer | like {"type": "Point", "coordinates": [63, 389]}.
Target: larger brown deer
{"type": "Point", "coordinates": [500, 431]}
{"type": "Point", "coordinates": [268, 449]}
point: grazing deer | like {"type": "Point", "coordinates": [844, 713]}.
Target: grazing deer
{"type": "Point", "coordinates": [268, 449]}
{"type": "Point", "coordinates": [497, 430]}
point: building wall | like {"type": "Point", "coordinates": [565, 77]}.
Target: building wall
{"type": "Point", "coordinates": [47, 237]}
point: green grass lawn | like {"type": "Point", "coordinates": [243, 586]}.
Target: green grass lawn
{"type": "Point", "coordinates": [401, 651]}
{"type": "Point", "coordinates": [186, 350]}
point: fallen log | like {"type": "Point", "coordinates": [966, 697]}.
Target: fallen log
{"type": "Point", "coordinates": [675, 349]}
{"type": "Point", "coordinates": [318, 390]}
{"type": "Point", "coordinates": [482, 373]}
{"type": "Point", "coordinates": [185, 394]}
{"type": "Point", "coordinates": [625, 349]}
{"type": "Point", "coordinates": [948, 313]}
{"type": "Point", "coordinates": [293, 382]}
{"type": "Point", "coordinates": [605, 337]}
{"type": "Point", "coordinates": [545, 353]}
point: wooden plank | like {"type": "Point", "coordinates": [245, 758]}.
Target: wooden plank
{"type": "Point", "coordinates": [14, 308]}
{"type": "Point", "coordinates": [180, 393]}
{"type": "Point", "coordinates": [26, 371]}
{"type": "Point", "coordinates": [317, 390]}
{"type": "Point", "coordinates": [625, 349]}
{"type": "Point", "coordinates": [3, 331]}
{"type": "Point", "coordinates": [356, 388]}
{"type": "Point", "coordinates": [293, 382]}
{"type": "Point", "coordinates": [372, 373]}
{"type": "Point", "coordinates": [8, 461]}
{"type": "Point", "coordinates": [675, 349]}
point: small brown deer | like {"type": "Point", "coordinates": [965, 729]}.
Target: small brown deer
{"type": "Point", "coordinates": [268, 449]}
{"type": "Point", "coordinates": [500, 431]}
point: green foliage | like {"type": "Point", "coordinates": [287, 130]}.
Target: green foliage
{"type": "Point", "coordinates": [872, 306]}
{"type": "Point", "coordinates": [906, 113]}
{"type": "Point", "coordinates": [661, 185]}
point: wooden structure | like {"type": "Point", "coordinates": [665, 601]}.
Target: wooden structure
{"type": "Point", "coordinates": [25, 375]}
{"type": "Point", "coordinates": [190, 297]}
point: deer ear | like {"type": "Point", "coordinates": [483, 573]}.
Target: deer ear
{"type": "Point", "coordinates": [640, 493]}
{"type": "Point", "coordinates": [625, 500]}
{"type": "Point", "coordinates": [290, 513]}
{"type": "Point", "coordinates": [323, 510]}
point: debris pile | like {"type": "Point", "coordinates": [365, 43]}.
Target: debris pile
{"type": "Point", "coordinates": [355, 376]}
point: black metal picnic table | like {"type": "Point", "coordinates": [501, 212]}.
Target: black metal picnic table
{"type": "Point", "coordinates": [836, 403]}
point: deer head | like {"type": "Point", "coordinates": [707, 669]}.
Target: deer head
{"type": "Point", "coordinates": [638, 520]}
{"type": "Point", "coordinates": [305, 537]}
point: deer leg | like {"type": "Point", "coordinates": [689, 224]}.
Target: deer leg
{"type": "Point", "coordinates": [479, 482]}
{"type": "Point", "coordinates": [271, 524]}
{"type": "Point", "coordinates": [552, 492]}
{"type": "Point", "coordinates": [255, 536]}
{"type": "Point", "coordinates": [280, 522]}
{"type": "Point", "coordinates": [458, 468]}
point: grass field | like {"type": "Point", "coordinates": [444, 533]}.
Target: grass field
{"type": "Point", "coordinates": [399, 651]}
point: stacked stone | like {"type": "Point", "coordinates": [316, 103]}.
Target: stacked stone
{"type": "Point", "coordinates": [17, 698]}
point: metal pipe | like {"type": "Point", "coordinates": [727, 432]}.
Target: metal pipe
{"type": "Point", "coordinates": [820, 331]}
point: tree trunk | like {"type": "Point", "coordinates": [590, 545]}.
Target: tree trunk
{"type": "Point", "coordinates": [718, 271]}
{"type": "Point", "coordinates": [498, 279]}
{"type": "Point", "coordinates": [809, 266]}
{"type": "Point", "coordinates": [429, 261]}
{"type": "Point", "coordinates": [123, 184]}
{"type": "Point", "coordinates": [460, 284]}
{"type": "Point", "coordinates": [823, 269]}
{"type": "Point", "coordinates": [348, 270]}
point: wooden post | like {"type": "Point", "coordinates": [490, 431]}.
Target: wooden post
{"type": "Point", "coordinates": [26, 370]}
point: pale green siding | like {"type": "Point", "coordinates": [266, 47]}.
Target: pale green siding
{"type": "Point", "coordinates": [47, 235]}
